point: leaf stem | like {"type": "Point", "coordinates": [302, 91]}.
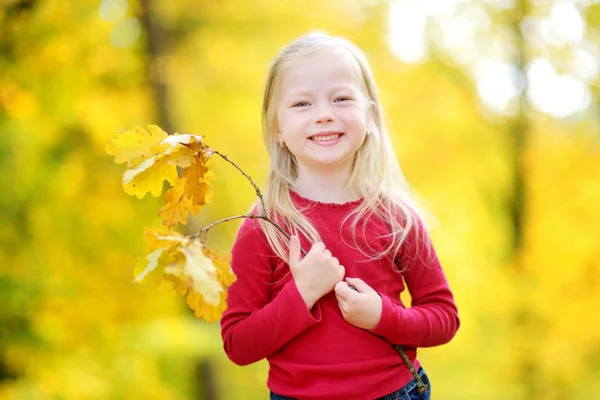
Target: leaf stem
{"type": "Point", "coordinates": [256, 189]}
{"type": "Point", "coordinates": [205, 230]}
{"type": "Point", "coordinates": [264, 216]}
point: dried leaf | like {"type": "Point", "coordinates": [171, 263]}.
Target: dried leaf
{"type": "Point", "coordinates": [136, 145]}
{"type": "Point", "coordinates": [149, 177]}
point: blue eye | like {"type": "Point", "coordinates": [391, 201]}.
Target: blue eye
{"type": "Point", "coordinates": [300, 104]}
{"type": "Point", "coordinates": [343, 99]}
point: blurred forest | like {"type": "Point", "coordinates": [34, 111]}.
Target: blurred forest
{"type": "Point", "coordinates": [494, 106]}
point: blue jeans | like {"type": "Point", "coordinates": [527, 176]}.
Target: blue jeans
{"type": "Point", "coordinates": [410, 391]}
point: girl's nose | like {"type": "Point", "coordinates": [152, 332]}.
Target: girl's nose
{"type": "Point", "coordinates": [324, 113]}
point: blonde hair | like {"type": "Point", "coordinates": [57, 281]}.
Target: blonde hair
{"type": "Point", "coordinates": [376, 175]}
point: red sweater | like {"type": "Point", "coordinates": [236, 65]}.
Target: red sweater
{"type": "Point", "coordinates": [316, 354]}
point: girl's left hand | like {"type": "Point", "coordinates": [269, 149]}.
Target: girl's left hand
{"type": "Point", "coordinates": [361, 308]}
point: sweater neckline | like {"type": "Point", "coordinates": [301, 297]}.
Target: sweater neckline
{"type": "Point", "coordinates": [314, 203]}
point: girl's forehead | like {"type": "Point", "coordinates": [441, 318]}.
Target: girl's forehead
{"type": "Point", "coordinates": [332, 66]}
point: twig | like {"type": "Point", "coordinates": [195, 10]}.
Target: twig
{"type": "Point", "coordinates": [422, 387]}
{"type": "Point", "coordinates": [256, 189]}
{"type": "Point", "coordinates": [264, 216]}
{"type": "Point", "coordinates": [205, 230]}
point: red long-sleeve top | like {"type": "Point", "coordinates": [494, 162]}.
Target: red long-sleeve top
{"type": "Point", "coordinates": [315, 354]}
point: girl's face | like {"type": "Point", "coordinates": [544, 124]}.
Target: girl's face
{"type": "Point", "coordinates": [322, 111]}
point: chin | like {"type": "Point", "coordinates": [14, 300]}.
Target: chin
{"type": "Point", "coordinates": [332, 162]}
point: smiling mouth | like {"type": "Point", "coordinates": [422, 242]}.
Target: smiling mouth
{"type": "Point", "coordinates": [324, 138]}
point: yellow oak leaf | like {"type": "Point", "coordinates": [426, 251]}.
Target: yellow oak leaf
{"type": "Point", "coordinates": [149, 177]}
{"type": "Point", "coordinates": [181, 155]}
{"type": "Point", "coordinates": [164, 250]}
{"type": "Point", "coordinates": [172, 262]}
{"type": "Point", "coordinates": [146, 265]}
{"type": "Point", "coordinates": [193, 142]}
{"type": "Point", "coordinates": [177, 206]}
{"type": "Point", "coordinates": [203, 273]}
{"type": "Point", "coordinates": [175, 237]}
{"type": "Point", "coordinates": [157, 240]}
{"type": "Point", "coordinates": [136, 145]}
{"type": "Point", "coordinates": [197, 272]}
{"type": "Point", "coordinates": [208, 312]}
{"type": "Point", "coordinates": [225, 274]}
{"type": "Point", "coordinates": [173, 285]}
{"type": "Point", "coordinates": [187, 266]}
{"type": "Point", "coordinates": [197, 187]}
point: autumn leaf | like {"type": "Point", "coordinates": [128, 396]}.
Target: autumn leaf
{"type": "Point", "coordinates": [186, 265]}
{"type": "Point", "coordinates": [197, 186]}
{"type": "Point", "coordinates": [202, 309]}
{"type": "Point", "coordinates": [153, 156]}
{"type": "Point", "coordinates": [172, 285]}
{"type": "Point", "coordinates": [177, 206]}
{"type": "Point", "coordinates": [225, 276]}
{"type": "Point", "coordinates": [149, 177]}
{"type": "Point", "coordinates": [160, 246]}
{"type": "Point", "coordinates": [190, 193]}
{"type": "Point", "coordinates": [208, 312]}
{"type": "Point", "coordinates": [157, 239]}
{"type": "Point", "coordinates": [180, 155]}
{"type": "Point", "coordinates": [146, 265]}
{"type": "Point", "coordinates": [197, 272]}
{"type": "Point", "coordinates": [136, 145]}
{"type": "Point", "coordinates": [223, 264]}
{"type": "Point", "coordinates": [194, 141]}
{"type": "Point", "coordinates": [183, 263]}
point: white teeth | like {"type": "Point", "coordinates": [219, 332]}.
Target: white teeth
{"type": "Point", "coordinates": [329, 137]}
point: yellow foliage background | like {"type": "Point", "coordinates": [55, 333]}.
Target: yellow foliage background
{"type": "Point", "coordinates": [74, 326]}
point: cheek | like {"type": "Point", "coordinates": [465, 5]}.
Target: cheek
{"type": "Point", "coordinates": [352, 112]}
{"type": "Point", "coordinates": [356, 119]}
{"type": "Point", "coordinates": [291, 123]}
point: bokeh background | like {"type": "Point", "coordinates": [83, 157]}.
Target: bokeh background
{"type": "Point", "coordinates": [495, 113]}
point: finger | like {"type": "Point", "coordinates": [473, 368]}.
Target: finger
{"type": "Point", "coordinates": [342, 271]}
{"type": "Point", "coordinates": [294, 249]}
{"type": "Point", "coordinates": [318, 247]}
{"type": "Point", "coordinates": [342, 290]}
{"type": "Point", "coordinates": [339, 300]}
{"type": "Point", "coordinates": [327, 253]}
{"type": "Point", "coordinates": [360, 285]}
{"type": "Point", "coordinates": [335, 261]}
{"type": "Point", "coordinates": [342, 309]}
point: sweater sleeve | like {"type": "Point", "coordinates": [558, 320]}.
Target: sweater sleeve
{"type": "Point", "coordinates": [432, 319]}
{"type": "Point", "coordinates": [254, 326]}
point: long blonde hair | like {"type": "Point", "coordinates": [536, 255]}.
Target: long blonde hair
{"type": "Point", "coordinates": [376, 175]}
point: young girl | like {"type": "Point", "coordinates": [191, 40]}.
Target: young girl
{"type": "Point", "coordinates": [328, 321]}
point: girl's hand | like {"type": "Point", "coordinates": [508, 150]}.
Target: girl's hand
{"type": "Point", "coordinates": [317, 273]}
{"type": "Point", "coordinates": [361, 308]}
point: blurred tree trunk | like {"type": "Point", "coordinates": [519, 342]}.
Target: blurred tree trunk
{"type": "Point", "coordinates": [519, 128]}
{"type": "Point", "coordinates": [527, 367]}
{"type": "Point", "coordinates": [155, 68]}
{"type": "Point", "coordinates": [204, 372]}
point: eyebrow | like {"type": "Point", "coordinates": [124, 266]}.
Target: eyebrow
{"type": "Point", "coordinates": [300, 92]}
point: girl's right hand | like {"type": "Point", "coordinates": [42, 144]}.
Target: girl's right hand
{"type": "Point", "coordinates": [317, 273]}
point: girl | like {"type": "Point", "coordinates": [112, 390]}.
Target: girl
{"type": "Point", "coordinates": [327, 322]}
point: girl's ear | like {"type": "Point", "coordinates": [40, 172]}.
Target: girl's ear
{"type": "Point", "coordinates": [278, 134]}
{"type": "Point", "coordinates": [372, 110]}
{"type": "Point", "coordinates": [371, 113]}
